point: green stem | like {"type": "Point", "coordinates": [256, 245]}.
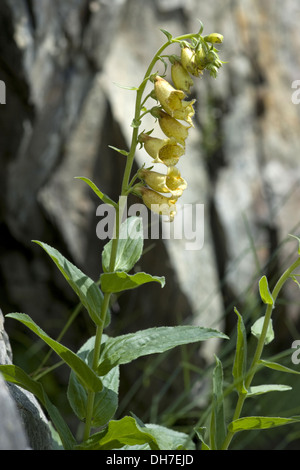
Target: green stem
{"type": "Point", "coordinates": [259, 349]}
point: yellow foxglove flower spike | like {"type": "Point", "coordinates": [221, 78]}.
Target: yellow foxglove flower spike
{"type": "Point", "coordinates": [166, 151]}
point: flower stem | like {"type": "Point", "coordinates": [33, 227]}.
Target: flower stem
{"type": "Point", "coordinates": [259, 348]}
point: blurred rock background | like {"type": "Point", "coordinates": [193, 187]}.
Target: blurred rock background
{"type": "Point", "coordinates": [62, 62]}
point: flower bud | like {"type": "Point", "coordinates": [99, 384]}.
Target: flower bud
{"type": "Point", "coordinates": [181, 78]}
{"type": "Point", "coordinates": [188, 61]}
{"type": "Point", "coordinates": [166, 151]}
{"type": "Point", "coordinates": [214, 38]}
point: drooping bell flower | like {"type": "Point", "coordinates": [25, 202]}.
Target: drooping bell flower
{"type": "Point", "coordinates": [170, 126]}
{"type": "Point", "coordinates": [172, 100]}
{"type": "Point", "coordinates": [157, 202]}
{"type": "Point", "coordinates": [172, 182]}
{"type": "Point", "coordinates": [166, 151]}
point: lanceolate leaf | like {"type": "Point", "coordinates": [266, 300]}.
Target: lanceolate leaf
{"type": "Point", "coordinates": [239, 365]}
{"type": "Point", "coordinates": [217, 425]}
{"type": "Point", "coordinates": [84, 373]}
{"type": "Point", "coordinates": [260, 422]}
{"type": "Point", "coordinates": [120, 281]}
{"type": "Point", "coordinates": [260, 389]}
{"type": "Point", "coordinates": [126, 348]}
{"type": "Point", "coordinates": [130, 246]}
{"type": "Point", "coordinates": [86, 289]}
{"type": "Point", "coordinates": [279, 367]}
{"type": "Point", "coordinates": [16, 375]}
{"type": "Point", "coordinates": [97, 191]}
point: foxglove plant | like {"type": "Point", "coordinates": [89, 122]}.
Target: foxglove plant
{"type": "Point", "coordinates": [94, 369]}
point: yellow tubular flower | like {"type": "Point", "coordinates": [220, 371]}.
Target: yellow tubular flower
{"type": "Point", "coordinates": [173, 128]}
{"type": "Point", "coordinates": [181, 78]}
{"type": "Point", "coordinates": [172, 182]}
{"type": "Point", "coordinates": [186, 112]}
{"type": "Point", "coordinates": [158, 203]}
{"type": "Point", "coordinates": [166, 151]}
{"type": "Point", "coordinates": [168, 96]}
{"type": "Point", "coordinates": [172, 100]}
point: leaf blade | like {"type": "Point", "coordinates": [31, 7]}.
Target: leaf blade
{"type": "Point", "coordinates": [85, 288]}
{"type": "Point", "coordinates": [120, 281]}
{"type": "Point", "coordinates": [130, 246]}
{"type": "Point", "coordinates": [260, 422]}
{"type": "Point", "coordinates": [18, 376]}
{"type": "Point", "coordinates": [86, 375]}
{"type": "Point", "coordinates": [126, 348]}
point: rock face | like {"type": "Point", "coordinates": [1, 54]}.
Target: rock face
{"type": "Point", "coordinates": [23, 423]}
{"type": "Point", "coordinates": [61, 62]}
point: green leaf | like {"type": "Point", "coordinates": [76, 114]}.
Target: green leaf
{"type": "Point", "coordinates": [130, 431]}
{"type": "Point", "coordinates": [264, 291]}
{"type": "Point", "coordinates": [130, 245]}
{"type": "Point", "coordinates": [201, 436]}
{"type": "Point", "coordinates": [122, 152]}
{"type": "Point", "coordinates": [106, 401]}
{"type": "Point", "coordinates": [86, 289]}
{"type": "Point", "coordinates": [84, 373]}
{"type": "Point", "coordinates": [120, 281]}
{"type": "Point", "coordinates": [239, 365]}
{"type": "Point", "coordinates": [100, 194]}
{"type": "Point", "coordinates": [168, 439]}
{"type": "Point", "coordinates": [126, 348]}
{"type": "Point", "coordinates": [125, 431]}
{"type": "Point", "coordinates": [279, 367]}
{"type": "Point", "coordinates": [260, 389]}
{"type": "Point", "coordinates": [167, 34]}
{"type": "Point", "coordinates": [259, 422]}
{"type": "Point", "coordinates": [217, 424]}
{"type": "Point", "coordinates": [16, 375]}
{"type": "Point", "coordinates": [256, 330]}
